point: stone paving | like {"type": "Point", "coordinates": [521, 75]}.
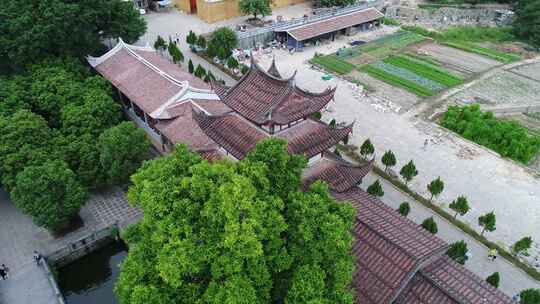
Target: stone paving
{"type": "Point", "coordinates": [513, 280]}
{"type": "Point", "coordinates": [20, 237]}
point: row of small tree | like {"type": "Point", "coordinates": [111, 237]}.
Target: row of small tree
{"type": "Point", "coordinates": [460, 205]}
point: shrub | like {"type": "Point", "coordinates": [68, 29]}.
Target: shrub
{"type": "Point", "coordinates": [404, 209]}
{"type": "Point", "coordinates": [494, 279]}
{"type": "Point", "coordinates": [366, 149]}
{"type": "Point", "coordinates": [375, 189]}
{"type": "Point", "coordinates": [460, 206]}
{"type": "Point", "coordinates": [436, 187]}
{"type": "Point", "coordinates": [200, 71]}
{"type": "Point", "coordinates": [408, 172]}
{"type": "Point", "coordinates": [388, 160]}
{"type": "Point", "coordinates": [529, 296]}
{"type": "Point", "coordinates": [507, 138]}
{"type": "Point", "coordinates": [457, 251]}
{"type": "Point", "coordinates": [430, 225]}
{"type": "Point", "coordinates": [522, 246]}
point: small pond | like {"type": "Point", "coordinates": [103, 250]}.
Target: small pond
{"type": "Point", "coordinates": [91, 279]}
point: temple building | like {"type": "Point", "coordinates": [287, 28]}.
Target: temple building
{"type": "Point", "coordinates": [397, 261]}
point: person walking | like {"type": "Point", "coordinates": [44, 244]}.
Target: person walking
{"type": "Point", "coordinates": [425, 144]}
{"type": "Point", "coordinates": [492, 254]}
{"type": "Point", "coordinates": [4, 272]}
{"type": "Point", "coordinates": [37, 257]}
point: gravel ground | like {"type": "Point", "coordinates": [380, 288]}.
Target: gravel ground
{"type": "Point", "coordinates": [529, 70]}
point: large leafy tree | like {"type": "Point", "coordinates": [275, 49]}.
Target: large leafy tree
{"type": "Point", "coordinates": [526, 23]}
{"type": "Point", "coordinates": [50, 193]}
{"type": "Point", "coordinates": [255, 7]}
{"type": "Point", "coordinates": [222, 42]}
{"type": "Point", "coordinates": [122, 149]}
{"type": "Point", "coordinates": [24, 140]}
{"type": "Point", "coordinates": [235, 233]}
{"type": "Point", "coordinates": [487, 222]}
{"type": "Point", "coordinates": [35, 29]}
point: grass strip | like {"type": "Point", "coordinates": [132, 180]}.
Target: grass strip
{"type": "Point", "coordinates": [427, 71]}
{"type": "Point", "coordinates": [332, 63]}
{"type": "Point", "coordinates": [490, 53]}
{"type": "Point", "coordinates": [450, 218]}
{"type": "Point", "coordinates": [397, 81]}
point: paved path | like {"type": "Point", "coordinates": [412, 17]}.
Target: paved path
{"type": "Point", "coordinates": [28, 286]}
{"type": "Point", "coordinates": [20, 237]}
{"type": "Point", "coordinates": [513, 279]}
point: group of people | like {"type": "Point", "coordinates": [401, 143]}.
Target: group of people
{"type": "Point", "coordinates": [4, 270]}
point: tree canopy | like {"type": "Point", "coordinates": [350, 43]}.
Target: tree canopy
{"type": "Point", "coordinates": [460, 206]}
{"type": "Point", "coordinates": [458, 252]}
{"type": "Point", "coordinates": [408, 172]}
{"type": "Point", "coordinates": [435, 187]}
{"type": "Point", "coordinates": [255, 7]}
{"type": "Point", "coordinates": [367, 148]}
{"type": "Point", "coordinates": [430, 225]}
{"type": "Point", "coordinates": [235, 233]}
{"type": "Point", "coordinates": [487, 222]}
{"type": "Point", "coordinates": [50, 193]}
{"type": "Point", "coordinates": [388, 160]}
{"type": "Point", "coordinates": [526, 22]}
{"type": "Point", "coordinates": [529, 296]}
{"type": "Point", "coordinates": [508, 138]}
{"type": "Point", "coordinates": [33, 30]}
{"type": "Point", "coordinates": [375, 189]}
{"type": "Point", "coordinates": [222, 42]}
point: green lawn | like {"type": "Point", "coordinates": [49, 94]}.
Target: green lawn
{"type": "Point", "coordinates": [397, 81]}
{"type": "Point", "coordinates": [332, 63]}
{"type": "Point", "coordinates": [426, 70]}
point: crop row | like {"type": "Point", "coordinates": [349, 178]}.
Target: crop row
{"type": "Point", "coordinates": [490, 53]}
{"type": "Point", "coordinates": [408, 75]}
{"type": "Point", "coordinates": [425, 70]}
{"type": "Point", "coordinates": [397, 81]}
{"type": "Point", "coordinates": [334, 64]}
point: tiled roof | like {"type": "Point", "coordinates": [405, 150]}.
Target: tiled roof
{"type": "Point", "coordinates": [264, 98]}
{"type": "Point", "coordinates": [391, 248]}
{"type": "Point", "coordinates": [272, 70]}
{"type": "Point", "coordinates": [461, 284]}
{"type": "Point", "coordinates": [211, 155]}
{"type": "Point", "coordinates": [184, 129]}
{"type": "Point", "coordinates": [399, 262]}
{"type": "Point", "coordinates": [339, 174]}
{"type": "Point", "coordinates": [230, 131]}
{"type": "Point", "coordinates": [147, 79]}
{"type": "Point", "coordinates": [311, 137]}
{"type": "Point", "coordinates": [332, 24]}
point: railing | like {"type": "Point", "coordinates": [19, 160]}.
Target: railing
{"type": "Point", "coordinates": [52, 281]}
{"type": "Point", "coordinates": [297, 21]}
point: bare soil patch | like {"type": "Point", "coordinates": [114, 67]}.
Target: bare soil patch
{"type": "Point", "coordinates": [458, 60]}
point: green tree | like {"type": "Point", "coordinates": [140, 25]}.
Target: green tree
{"type": "Point", "coordinates": [25, 140]}
{"type": "Point", "coordinates": [408, 172]}
{"type": "Point", "coordinates": [494, 279]}
{"type": "Point", "coordinates": [234, 233]}
{"type": "Point", "coordinates": [222, 42]}
{"type": "Point", "coordinates": [366, 149]}
{"type": "Point", "coordinates": [122, 149]}
{"type": "Point", "coordinates": [436, 187]}
{"type": "Point", "coordinates": [460, 206]}
{"type": "Point", "coordinates": [255, 7]}
{"type": "Point", "coordinates": [175, 52]}
{"type": "Point", "coordinates": [200, 71]}
{"type": "Point", "coordinates": [232, 63]}
{"type": "Point", "coordinates": [529, 296]}
{"type": "Point", "coordinates": [388, 160]}
{"type": "Point", "coordinates": [160, 44]}
{"type": "Point", "coordinates": [331, 3]}
{"type": "Point", "coordinates": [430, 225]}
{"type": "Point", "coordinates": [404, 209]}
{"type": "Point", "coordinates": [81, 153]}
{"type": "Point", "coordinates": [34, 30]}
{"type": "Point", "coordinates": [209, 76]}
{"type": "Point", "coordinates": [525, 23]}
{"type": "Point", "coordinates": [191, 38]}
{"type": "Point", "coordinates": [94, 114]}
{"type": "Point", "coordinates": [191, 68]}
{"type": "Point", "coordinates": [375, 189]}
{"type": "Point", "coordinates": [201, 42]}
{"type": "Point", "coordinates": [457, 251]}
{"type": "Point", "coordinates": [487, 222]}
{"type": "Point", "coordinates": [522, 246]}
{"type": "Point", "coordinates": [50, 193]}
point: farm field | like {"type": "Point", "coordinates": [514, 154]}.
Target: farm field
{"type": "Point", "coordinates": [529, 70]}
{"type": "Point", "coordinates": [458, 60]}
{"type": "Point", "coordinates": [504, 89]}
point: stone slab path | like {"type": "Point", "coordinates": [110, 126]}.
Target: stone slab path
{"type": "Point", "coordinates": [29, 285]}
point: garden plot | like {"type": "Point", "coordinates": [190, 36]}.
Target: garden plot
{"type": "Point", "coordinates": [458, 60]}
{"type": "Point", "coordinates": [503, 89]}
{"type": "Point", "coordinates": [529, 70]}
{"type": "Point", "coordinates": [405, 100]}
